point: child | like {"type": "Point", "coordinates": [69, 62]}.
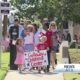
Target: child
{"type": "Point", "coordinates": [29, 45]}
{"type": "Point", "coordinates": [29, 38]}
{"type": "Point", "coordinates": [42, 45]}
{"type": "Point", "coordinates": [20, 54]}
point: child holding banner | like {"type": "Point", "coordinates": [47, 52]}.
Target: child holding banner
{"type": "Point", "coordinates": [29, 45]}
{"type": "Point", "coordinates": [42, 46]}
{"type": "Point", "coordinates": [20, 54]}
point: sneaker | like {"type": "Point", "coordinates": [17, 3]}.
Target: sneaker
{"type": "Point", "coordinates": [20, 72]}
{"type": "Point", "coordinates": [42, 72]}
{"type": "Point", "coordinates": [45, 70]}
{"type": "Point", "coordinates": [39, 71]}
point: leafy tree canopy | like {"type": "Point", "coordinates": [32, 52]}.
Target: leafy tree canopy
{"type": "Point", "coordinates": [62, 9]}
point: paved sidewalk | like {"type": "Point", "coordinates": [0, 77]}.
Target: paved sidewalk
{"type": "Point", "coordinates": [14, 75]}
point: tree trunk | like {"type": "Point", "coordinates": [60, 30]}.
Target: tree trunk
{"type": "Point", "coordinates": [5, 22]}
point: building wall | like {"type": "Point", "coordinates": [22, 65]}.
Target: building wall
{"type": "Point", "coordinates": [70, 24]}
{"type": "Point", "coordinates": [74, 29]}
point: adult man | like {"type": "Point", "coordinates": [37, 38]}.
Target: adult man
{"type": "Point", "coordinates": [21, 28]}
{"type": "Point", "coordinates": [13, 32]}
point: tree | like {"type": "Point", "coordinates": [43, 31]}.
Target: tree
{"type": "Point", "coordinates": [62, 9]}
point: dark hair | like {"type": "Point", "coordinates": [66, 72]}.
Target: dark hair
{"type": "Point", "coordinates": [18, 41]}
{"type": "Point", "coordinates": [35, 26]}
{"type": "Point", "coordinates": [45, 25]}
{"type": "Point", "coordinates": [28, 21]}
{"type": "Point", "coordinates": [16, 20]}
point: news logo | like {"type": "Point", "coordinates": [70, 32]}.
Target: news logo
{"type": "Point", "coordinates": [68, 68]}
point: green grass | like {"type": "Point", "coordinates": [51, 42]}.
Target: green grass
{"type": "Point", "coordinates": [72, 76]}
{"type": "Point", "coordinates": [4, 67]}
{"type": "Point", "coordinates": [75, 58]}
{"type": "Point", "coordinates": [68, 76]}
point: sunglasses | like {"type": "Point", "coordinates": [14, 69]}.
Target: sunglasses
{"type": "Point", "coordinates": [52, 25]}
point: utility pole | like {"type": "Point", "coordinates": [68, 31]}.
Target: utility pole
{"type": "Point", "coordinates": [0, 38]}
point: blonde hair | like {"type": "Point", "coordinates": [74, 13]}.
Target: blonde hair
{"type": "Point", "coordinates": [53, 23]}
{"type": "Point", "coordinates": [43, 38]}
{"type": "Point", "coordinates": [27, 22]}
{"type": "Point", "coordinates": [30, 27]}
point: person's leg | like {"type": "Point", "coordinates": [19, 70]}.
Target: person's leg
{"type": "Point", "coordinates": [48, 54]}
{"type": "Point", "coordinates": [20, 68]}
{"type": "Point", "coordinates": [39, 70]}
{"type": "Point", "coordinates": [12, 57]}
{"type": "Point", "coordinates": [45, 69]}
{"type": "Point", "coordinates": [55, 59]}
{"type": "Point", "coordinates": [52, 59]}
{"type": "Point", "coordinates": [56, 50]}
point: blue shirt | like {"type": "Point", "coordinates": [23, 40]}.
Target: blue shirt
{"type": "Point", "coordinates": [22, 34]}
{"type": "Point", "coordinates": [21, 28]}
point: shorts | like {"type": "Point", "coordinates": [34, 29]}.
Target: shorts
{"type": "Point", "coordinates": [55, 49]}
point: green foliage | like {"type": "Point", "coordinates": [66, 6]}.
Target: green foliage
{"type": "Point", "coordinates": [62, 9]}
{"type": "Point", "coordinates": [74, 55]}
{"type": "Point", "coordinates": [73, 45]}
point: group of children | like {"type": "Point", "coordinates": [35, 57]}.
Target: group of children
{"type": "Point", "coordinates": [27, 44]}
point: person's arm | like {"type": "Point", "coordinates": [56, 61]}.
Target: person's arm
{"type": "Point", "coordinates": [23, 34]}
{"type": "Point", "coordinates": [37, 47]}
{"type": "Point", "coordinates": [47, 47]}
{"type": "Point", "coordinates": [20, 30]}
{"type": "Point", "coordinates": [58, 38]}
{"type": "Point", "coordinates": [69, 37]}
{"type": "Point", "coordinates": [9, 30]}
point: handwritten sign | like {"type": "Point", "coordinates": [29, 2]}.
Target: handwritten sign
{"type": "Point", "coordinates": [36, 59]}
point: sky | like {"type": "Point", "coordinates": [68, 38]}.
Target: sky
{"type": "Point", "coordinates": [2, 0]}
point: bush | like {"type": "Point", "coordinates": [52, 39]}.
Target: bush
{"type": "Point", "coordinates": [73, 45]}
{"type": "Point", "coordinates": [74, 55]}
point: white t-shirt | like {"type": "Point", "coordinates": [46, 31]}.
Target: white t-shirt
{"type": "Point", "coordinates": [29, 39]}
{"type": "Point", "coordinates": [37, 35]}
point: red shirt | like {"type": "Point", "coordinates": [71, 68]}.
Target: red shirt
{"type": "Point", "coordinates": [49, 34]}
{"type": "Point", "coordinates": [42, 46]}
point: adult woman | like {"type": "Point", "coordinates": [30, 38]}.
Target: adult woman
{"type": "Point", "coordinates": [55, 42]}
